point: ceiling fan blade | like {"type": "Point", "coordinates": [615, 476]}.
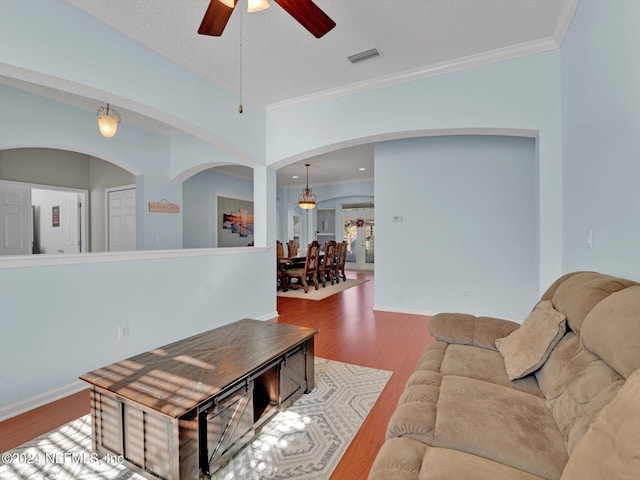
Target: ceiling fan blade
{"type": "Point", "coordinates": [309, 15]}
{"type": "Point", "coordinates": [216, 18]}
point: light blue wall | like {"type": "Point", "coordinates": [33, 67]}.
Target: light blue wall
{"type": "Point", "coordinates": [469, 207]}
{"type": "Point", "coordinates": [40, 122]}
{"type": "Point", "coordinates": [601, 124]}
{"type": "Point", "coordinates": [55, 43]}
{"type": "Point", "coordinates": [522, 93]}
{"type": "Point", "coordinates": [58, 322]}
{"type": "Point", "coordinates": [70, 313]}
{"type": "Point", "coordinates": [200, 194]}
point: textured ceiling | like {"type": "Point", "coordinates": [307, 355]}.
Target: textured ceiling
{"type": "Point", "coordinates": [284, 65]}
{"type": "Point", "coordinates": [282, 61]}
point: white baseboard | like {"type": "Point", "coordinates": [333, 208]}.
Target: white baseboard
{"type": "Point", "coordinates": [41, 399]}
{"type": "Point", "coordinates": [268, 316]}
{"type": "Point", "coordinates": [409, 311]}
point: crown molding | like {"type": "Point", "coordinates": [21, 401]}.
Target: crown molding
{"type": "Point", "coordinates": [569, 8]}
{"type": "Point", "coordinates": [493, 56]}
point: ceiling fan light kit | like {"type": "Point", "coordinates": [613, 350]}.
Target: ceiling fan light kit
{"type": "Point", "coordinates": [307, 13]}
{"type": "Point", "coordinates": [108, 120]}
{"type": "Point", "coordinates": [257, 5]}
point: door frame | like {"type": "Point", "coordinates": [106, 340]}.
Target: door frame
{"type": "Point", "coordinates": [107, 191]}
{"type": "Point", "coordinates": [360, 263]}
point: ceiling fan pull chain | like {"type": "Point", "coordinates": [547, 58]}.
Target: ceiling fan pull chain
{"type": "Point", "coordinates": [240, 106]}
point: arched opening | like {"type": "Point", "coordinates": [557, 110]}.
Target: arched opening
{"type": "Point", "coordinates": [218, 207]}
{"type": "Point", "coordinates": [496, 188]}
{"type": "Point", "coordinates": [58, 201]}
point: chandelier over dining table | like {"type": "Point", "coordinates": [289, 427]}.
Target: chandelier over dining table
{"type": "Point", "coordinates": [307, 199]}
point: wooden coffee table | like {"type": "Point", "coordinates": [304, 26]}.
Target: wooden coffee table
{"type": "Point", "coordinates": [182, 410]}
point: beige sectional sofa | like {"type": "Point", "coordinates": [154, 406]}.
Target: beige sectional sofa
{"type": "Point", "coordinates": [575, 416]}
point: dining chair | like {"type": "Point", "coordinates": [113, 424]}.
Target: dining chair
{"type": "Point", "coordinates": [327, 267]}
{"type": "Point", "coordinates": [308, 273]}
{"type": "Point", "coordinates": [341, 257]}
{"type": "Point", "coordinates": [279, 265]}
{"type": "Point", "coordinates": [292, 249]}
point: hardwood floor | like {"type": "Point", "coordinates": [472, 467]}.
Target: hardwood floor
{"type": "Point", "coordinates": [349, 331]}
{"type": "Point", "coordinates": [29, 425]}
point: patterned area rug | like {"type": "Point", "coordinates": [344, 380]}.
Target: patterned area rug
{"type": "Point", "coordinates": [304, 442]}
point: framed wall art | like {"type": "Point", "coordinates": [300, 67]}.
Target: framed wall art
{"type": "Point", "coordinates": [235, 222]}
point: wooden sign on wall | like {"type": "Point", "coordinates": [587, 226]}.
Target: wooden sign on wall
{"type": "Point", "coordinates": [164, 206]}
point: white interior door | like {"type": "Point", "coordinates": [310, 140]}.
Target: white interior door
{"type": "Point", "coordinates": [15, 219]}
{"type": "Point", "coordinates": [70, 219]}
{"type": "Point", "coordinates": [57, 220]}
{"type": "Point", "coordinates": [121, 220]}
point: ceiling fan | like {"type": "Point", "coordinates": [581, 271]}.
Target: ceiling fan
{"type": "Point", "coordinates": [305, 12]}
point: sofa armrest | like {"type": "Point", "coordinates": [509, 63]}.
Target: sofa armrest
{"type": "Point", "coordinates": [467, 329]}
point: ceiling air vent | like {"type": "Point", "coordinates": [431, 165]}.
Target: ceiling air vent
{"type": "Point", "coordinates": [362, 56]}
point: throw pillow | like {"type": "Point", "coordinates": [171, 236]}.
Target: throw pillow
{"type": "Point", "coordinates": [525, 350]}
{"type": "Point", "coordinates": [609, 449]}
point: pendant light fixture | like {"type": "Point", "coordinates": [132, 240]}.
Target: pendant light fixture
{"type": "Point", "coordinates": [108, 120]}
{"type": "Point", "coordinates": [307, 200]}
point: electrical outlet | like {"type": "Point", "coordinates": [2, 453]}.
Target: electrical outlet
{"type": "Point", "coordinates": [465, 293]}
{"type": "Point", "coordinates": [123, 331]}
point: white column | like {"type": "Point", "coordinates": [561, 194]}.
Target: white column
{"type": "Point", "coordinates": [264, 206]}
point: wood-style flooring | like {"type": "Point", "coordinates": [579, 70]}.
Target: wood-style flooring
{"type": "Point", "coordinates": [349, 331]}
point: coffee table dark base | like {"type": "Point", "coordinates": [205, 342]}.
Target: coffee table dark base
{"type": "Point", "coordinates": [189, 432]}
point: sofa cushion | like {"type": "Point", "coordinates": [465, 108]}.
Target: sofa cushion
{"type": "Point", "coordinates": [491, 421]}
{"type": "Point", "coordinates": [578, 294]}
{"type": "Point", "coordinates": [609, 449]}
{"type": "Point", "coordinates": [501, 424]}
{"type": "Point", "coordinates": [468, 361]}
{"type": "Point", "coordinates": [398, 459]}
{"type": "Point", "coordinates": [583, 388]}
{"type": "Point", "coordinates": [483, 364]}
{"type": "Point", "coordinates": [526, 349]}
{"type": "Point", "coordinates": [550, 292]}
{"type": "Point", "coordinates": [406, 459]}
{"type": "Point", "coordinates": [432, 356]}
{"type": "Point", "coordinates": [448, 464]}
{"type": "Point", "coordinates": [549, 375]}
{"type": "Point", "coordinates": [612, 330]}
{"type": "Point", "coordinates": [464, 329]}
